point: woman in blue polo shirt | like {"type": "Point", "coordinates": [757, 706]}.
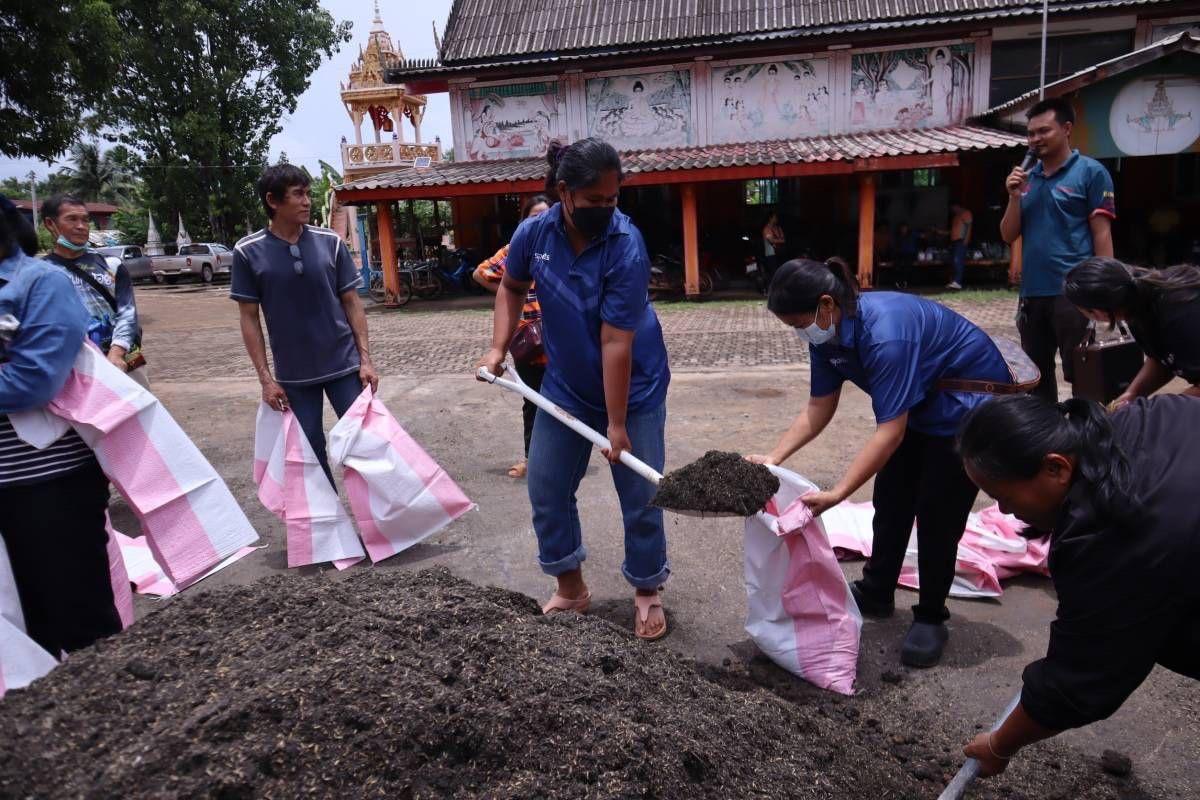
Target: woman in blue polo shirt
{"type": "Point", "coordinates": [606, 365]}
{"type": "Point", "coordinates": [901, 350]}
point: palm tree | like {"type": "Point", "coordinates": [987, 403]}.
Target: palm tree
{"type": "Point", "coordinates": [96, 176]}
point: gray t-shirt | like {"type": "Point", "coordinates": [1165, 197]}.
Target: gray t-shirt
{"type": "Point", "coordinates": [311, 339]}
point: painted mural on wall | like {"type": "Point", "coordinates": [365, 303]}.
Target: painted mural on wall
{"type": "Point", "coordinates": [770, 100]}
{"type": "Point", "coordinates": [915, 88]}
{"type": "Point", "coordinates": [514, 121]}
{"type": "Point", "coordinates": [1156, 115]}
{"type": "Point", "coordinates": [642, 111]}
{"type": "Point", "coordinates": [1153, 110]}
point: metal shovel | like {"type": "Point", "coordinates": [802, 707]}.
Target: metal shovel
{"type": "Point", "coordinates": [628, 459]}
{"type": "Point", "coordinates": [969, 771]}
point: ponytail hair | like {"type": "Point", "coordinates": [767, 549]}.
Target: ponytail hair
{"type": "Point", "coordinates": [581, 164]}
{"type": "Point", "coordinates": [1106, 284]}
{"type": "Point", "coordinates": [1008, 439]}
{"type": "Point", "coordinates": [799, 284]}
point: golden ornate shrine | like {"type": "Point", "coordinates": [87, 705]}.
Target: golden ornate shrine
{"type": "Point", "coordinates": [387, 105]}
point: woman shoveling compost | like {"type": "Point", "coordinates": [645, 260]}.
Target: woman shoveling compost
{"type": "Point", "coordinates": [924, 367]}
{"type": "Point", "coordinates": [606, 365]}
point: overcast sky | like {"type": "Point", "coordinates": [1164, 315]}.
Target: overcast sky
{"type": "Point", "coordinates": [315, 130]}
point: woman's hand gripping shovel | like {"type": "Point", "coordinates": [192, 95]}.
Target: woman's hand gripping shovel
{"type": "Point", "coordinates": [970, 768]}
{"type": "Point", "coordinates": [515, 384]}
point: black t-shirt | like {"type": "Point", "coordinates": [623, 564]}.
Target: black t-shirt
{"type": "Point", "coordinates": [1169, 332]}
{"type": "Point", "coordinates": [1128, 597]}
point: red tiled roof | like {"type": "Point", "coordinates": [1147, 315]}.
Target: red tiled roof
{"type": "Point", "coordinates": [482, 33]}
{"type": "Point", "coordinates": [845, 147]}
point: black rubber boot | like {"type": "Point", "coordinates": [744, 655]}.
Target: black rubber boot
{"type": "Point", "coordinates": [868, 605]}
{"type": "Point", "coordinates": [924, 643]}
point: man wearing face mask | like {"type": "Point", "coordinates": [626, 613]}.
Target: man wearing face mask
{"type": "Point", "coordinates": [924, 367]}
{"type": "Point", "coordinates": [106, 292]}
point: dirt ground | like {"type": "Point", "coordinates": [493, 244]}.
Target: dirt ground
{"type": "Point", "coordinates": [474, 431]}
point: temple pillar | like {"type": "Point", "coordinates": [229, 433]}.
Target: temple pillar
{"type": "Point", "coordinates": [691, 241]}
{"type": "Point", "coordinates": [387, 251]}
{"type": "Point", "coordinates": [866, 229]}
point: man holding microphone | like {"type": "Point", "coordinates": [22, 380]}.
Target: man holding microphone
{"type": "Point", "coordinates": [1061, 204]}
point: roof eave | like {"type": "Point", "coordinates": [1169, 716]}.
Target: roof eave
{"type": "Point", "coordinates": [1183, 42]}
{"type": "Point", "coordinates": [439, 73]}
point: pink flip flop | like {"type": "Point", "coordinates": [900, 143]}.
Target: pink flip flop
{"type": "Point", "coordinates": [643, 604]}
{"type": "Point", "coordinates": [558, 603]}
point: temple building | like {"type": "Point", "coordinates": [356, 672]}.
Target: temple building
{"type": "Point", "coordinates": [848, 119]}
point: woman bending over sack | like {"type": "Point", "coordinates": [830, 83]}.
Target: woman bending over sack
{"type": "Point", "coordinates": [924, 367]}
{"type": "Point", "coordinates": [1118, 495]}
{"type": "Point", "coordinates": [1162, 309]}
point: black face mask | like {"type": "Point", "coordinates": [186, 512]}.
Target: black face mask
{"type": "Point", "coordinates": [592, 221]}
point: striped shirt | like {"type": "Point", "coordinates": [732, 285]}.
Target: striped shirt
{"type": "Point", "coordinates": [22, 464]}
{"type": "Point", "coordinates": [492, 271]}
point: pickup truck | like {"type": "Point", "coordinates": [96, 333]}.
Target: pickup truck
{"type": "Point", "coordinates": [137, 263]}
{"type": "Point", "coordinates": [206, 261]}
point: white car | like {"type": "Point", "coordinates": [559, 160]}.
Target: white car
{"type": "Point", "coordinates": [206, 260]}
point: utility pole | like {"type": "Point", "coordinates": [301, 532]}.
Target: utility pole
{"type": "Point", "coordinates": [1045, 24]}
{"type": "Point", "coordinates": [33, 196]}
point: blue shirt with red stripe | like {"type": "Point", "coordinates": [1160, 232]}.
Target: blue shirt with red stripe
{"type": "Point", "coordinates": [1055, 214]}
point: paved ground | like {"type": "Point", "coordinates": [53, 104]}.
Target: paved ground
{"type": "Point", "coordinates": [198, 327]}
{"type": "Point", "coordinates": [738, 381]}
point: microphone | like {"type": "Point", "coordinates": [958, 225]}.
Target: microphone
{"type": "Point", "coordinates": [1031, 158]}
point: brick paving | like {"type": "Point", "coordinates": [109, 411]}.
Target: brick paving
{"type": "Point", "coordinates": [192, 334]}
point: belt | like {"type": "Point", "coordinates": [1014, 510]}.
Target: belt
{"type": "Point", "coordinates": [983, 387]}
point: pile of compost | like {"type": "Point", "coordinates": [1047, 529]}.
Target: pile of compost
{"type": "Point", "coordinates": [419, 685]}
{"type": "Point", "coordinates": [718, 483]}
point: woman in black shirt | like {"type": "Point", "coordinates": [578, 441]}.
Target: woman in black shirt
{"type": "Point", "coordinates": [1162, 309]}
{"type": "Point", "coordinates": [1118, 495]}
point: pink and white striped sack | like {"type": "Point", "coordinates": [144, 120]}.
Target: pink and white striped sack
{"type": "Point", "coordinates": [800, 611]}
{"type": "Point", "coordinates": [293, 487]}
{"type": "Point", "coordinates": [22, 660]}
{"type": "Point", "coordinates": [188, 514]}
{"type": "Point", "coordinates": [398, 494]}
{"type": "Point", "coordinates": [991, 549]}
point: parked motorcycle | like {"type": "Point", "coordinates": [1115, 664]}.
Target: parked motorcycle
{"type": "Point", "coordinates": [667, 279]}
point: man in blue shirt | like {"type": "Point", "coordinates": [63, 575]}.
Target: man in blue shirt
{"type": "Point", "coordinates": [1062, 210]}
{"type": "Point", "coordinates": [306, 283]}
{"type": "Point", "coordinates": [53, 500]}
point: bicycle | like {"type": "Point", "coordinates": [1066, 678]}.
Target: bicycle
{"type": "Point", "coordinates": [378, 289]}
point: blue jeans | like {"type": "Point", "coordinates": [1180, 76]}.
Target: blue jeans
{"type": "Point", "coordinates": [558, 459]}
{"type": "Point", "coordinates": [308, 405]}
{"type": "Point", "coordinates": [960, 260]}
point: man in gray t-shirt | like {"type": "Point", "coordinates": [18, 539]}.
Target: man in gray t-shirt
{"type": "Point", "coordinates": [306, 283]}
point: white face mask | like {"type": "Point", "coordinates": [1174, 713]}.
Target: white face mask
{"type": "Point", "coordinates": [815, 334]}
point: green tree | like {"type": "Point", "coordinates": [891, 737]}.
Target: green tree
{"type": "Point", "coordinates": [99, 176]}
{"type": "Point", "coordinates": [57, 58]}
{"type": "Point", "coordinates": [319, 192]}
{"type": "Point", "coordinates": [202, 89]}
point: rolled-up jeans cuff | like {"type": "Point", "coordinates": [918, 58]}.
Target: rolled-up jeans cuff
{"type": "Point", "coordinates": [653, 582]}
{"type": "Point", "coordinates": [571, 562]}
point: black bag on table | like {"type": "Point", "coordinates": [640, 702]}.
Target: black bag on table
{"type": "Point", "coordinates": [1104, 369]}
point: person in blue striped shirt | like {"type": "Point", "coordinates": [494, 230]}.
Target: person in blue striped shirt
{"type": "Point", "coordinates": [53, 501]}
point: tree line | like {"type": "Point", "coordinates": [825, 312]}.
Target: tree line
{"type": "Point", "coordinates": [186, 94]}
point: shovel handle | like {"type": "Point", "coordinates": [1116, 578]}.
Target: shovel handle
{"type": "Point", "coordinates": [628, 459]}
{"type": "Point", "coordinates": [970, 768]}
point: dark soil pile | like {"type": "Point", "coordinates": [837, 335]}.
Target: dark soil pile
{"type": "Point", "coordinates": [419, 685]}
{"type": "Point", "coordinates": [720, 483]}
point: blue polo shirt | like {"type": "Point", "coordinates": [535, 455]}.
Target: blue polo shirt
{"type": "Point", "coordinates": [896, 349]}
{"type": "Point", "coordinates": [311, 339]}
{"type": "Point", "coordinates": [607, 282]}
{"type": "Point", "coordinates": [1054, 221]}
